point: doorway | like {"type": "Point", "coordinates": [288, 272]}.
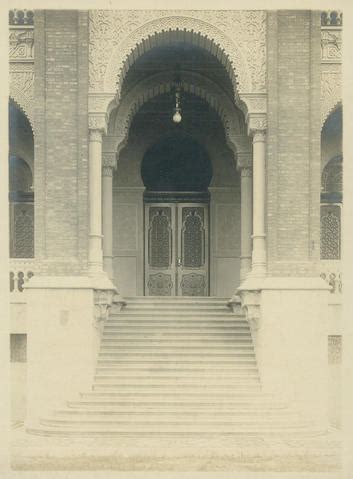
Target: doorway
{"type": "Point", "coordinates": [176, 249]}
{"type": "Point", "coordinates": [176, 172]}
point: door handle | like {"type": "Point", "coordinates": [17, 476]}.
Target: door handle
{"type": "Point", "coordinates": [179, 263]}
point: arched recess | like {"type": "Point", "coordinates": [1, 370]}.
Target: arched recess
{"type": "Point", "coordinates": [196, 84]}
{"type": "Point", "coordinates": [331, 94]}
{"type": "Point", "coordinates": [22, 93]}
{"type": "Point", "coordinates": [331, 186]}
{"type": "Point", "coordinates": [21, 192]}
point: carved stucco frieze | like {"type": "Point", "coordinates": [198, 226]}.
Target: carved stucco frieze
{"type": "Point", "coordinates": [21, 45]}
{"type": "Point", "coordinates": [22, 90]}
{"type": "Point", "coordinates": [241, 35]}
{"type": "Point", "coordinates": [331, 92]}
{"type": "Point", "coordinates": [331, 45]}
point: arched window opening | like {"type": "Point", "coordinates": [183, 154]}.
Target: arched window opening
{"type": "Point", "coordinates": [331, 187]}
{"type": "Point", "coordinates": [21, 192]}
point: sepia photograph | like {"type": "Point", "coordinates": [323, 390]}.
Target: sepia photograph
{"type": "Point", "coordinates": [175, 207]}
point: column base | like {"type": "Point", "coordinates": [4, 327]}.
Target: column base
{"type": "Point", "coordinates": [108, 266]}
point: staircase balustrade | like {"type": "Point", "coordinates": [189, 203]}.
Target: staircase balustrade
{"type": "Point", "coordinates": [331, 273]}
{"type": "Point", "coordinates": [20, 272]}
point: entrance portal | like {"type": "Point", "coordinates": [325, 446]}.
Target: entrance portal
{"type": "Point", "coordinates": [176, 249]}
{"type": "Point", "coordinates": [176, 172]}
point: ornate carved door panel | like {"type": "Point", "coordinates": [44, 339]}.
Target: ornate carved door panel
{"type": "Point", "coordinates": [192, 271]}
{"type": "Point", "coordinates": [160, 251]}
{"type": "Point", "coordinates": [176, 249]}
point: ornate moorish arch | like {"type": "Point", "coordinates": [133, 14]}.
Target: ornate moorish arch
{"type": "Point", "coordinates": [22, 93]}
{"type": "Point", "coordinates": [331, 94]}
{"type": "Point", "coordinates": [118, 38]}
{"type": "Point", "coordinates": [161, 83]}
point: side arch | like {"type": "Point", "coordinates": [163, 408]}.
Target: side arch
{"type": "Point", "coordinates": [234, 125]}
{"type": "Point", "coordinates": [331, 94]}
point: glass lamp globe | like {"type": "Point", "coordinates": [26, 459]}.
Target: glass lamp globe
{"type": "Point", "coordinates": [177, 117]}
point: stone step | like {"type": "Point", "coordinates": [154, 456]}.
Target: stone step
{"type": "Point", "coordinates": [181, 393]}
{"type": "Point", "coordinates": [148, 432]}
{"type": "Point", "coordinates": [177, 378]}
{"type": "Point", "coordinates": [253, 402]}
{"type": "Point", "coordinates": [189, 342]}
{"type": "Point", "coordinates": [179, 361]}
{"type": "Point", "coordinates": [176, 355]}
{"type": "Point", "coordinates": [168, 422]}
{"type": "Point", "coordinates": [198, 306]}
{"type": "Point", "coordinates": [162, 300]}
{"type": "Point", "coordinates": [177, 335]}
{"type": "Point", "coordinates": [129, 327]}
{"type": "Point", "coordinates": [163, 388]}
{"type": "Point", "coordinates": [172, 348]}
{"type": "Point", "coordinates": [195, 370]}
{"type": "Point", "coordinates": [172, 314]}
{"type": "Point", "coordinates": [156, 413]}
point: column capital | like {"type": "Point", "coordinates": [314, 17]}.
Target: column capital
{"type": "Point", "coordinates": [259, 136]}
{"type": "Point", "coordinates": [97, 122]}
{"type": "Point", "coordinates": [246, 172]}
{"type": "Point", "coordinates": [257, 123]}
{"type": "Point", "coordinates": [108, 162]}
{"type": "Point", "coordinates": [244, 160]}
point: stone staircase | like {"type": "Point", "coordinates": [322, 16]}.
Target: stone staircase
{"type": "Point", "coordinates": [175, 367]}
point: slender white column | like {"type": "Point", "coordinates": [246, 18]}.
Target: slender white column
{"type": "Point", "coordinates": [259, 197]}
{"type": "Point", "coordinates": [246, 221]}
{"type": "Point", "coordinates": [107, 185]}
{"type": "Point", "coordinates": [95, 254]}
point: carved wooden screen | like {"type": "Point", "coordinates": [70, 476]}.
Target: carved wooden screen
{"type": "Point", "coordinates": [160, 258]}
{"type": "Point", "coordinates": [330, 232]}
{"type": "Point", "coordinates": [176, 249]}
{"type": "Point", "coordinates": [193, 250]}
{"type": "Point", "coordinates": [21, 230]}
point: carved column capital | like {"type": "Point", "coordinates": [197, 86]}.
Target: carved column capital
{"type": "Point", "coordinates": [97, 122]}
{"type": "Point", "coordinates": [244, 160]}
{"type": "Point", "coordinates": [257, 124]}
{"type": "Point", "coordinates": [108, 162]}
{"type": "Point", "coordinates": [246, 172]}
{"type": "Point", "coordinates": [95, 135]}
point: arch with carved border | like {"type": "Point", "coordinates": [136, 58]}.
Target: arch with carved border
{"type": "Point", "coordinates": [331, 94]}
{"type": "Point", "coordinates": [28, 161]}
{"type": "Point", "coordinates": [26, 107]}
{"type": "Point", "coordinates": [163, 83]}
{"type": "Point", "coordinates": [163, 31]}
{"type": "Point", "coordinates": [332, 108]}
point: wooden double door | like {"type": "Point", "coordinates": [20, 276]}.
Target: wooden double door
{"type": "Point", "coordinates": [176, 249]}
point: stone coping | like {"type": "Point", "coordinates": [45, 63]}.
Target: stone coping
{"type": "Point", "coordinates": [70, 282]}
{"type": "Point", "coordinates": [284, 283]}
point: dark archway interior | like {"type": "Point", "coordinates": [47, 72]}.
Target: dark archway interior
{"type": "Point", "coordinates": [176, 57]}
{"type": "Point", "coordinates": [176, 163]}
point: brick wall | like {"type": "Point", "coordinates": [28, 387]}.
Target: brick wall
{"type": "Point", "coordinates": [61, 166]}
{"type": "Point", "coordinates": [293, 156]}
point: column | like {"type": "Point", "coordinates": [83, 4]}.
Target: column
{"type": "Point", "coordinates": [107, 185]}
{"type": "Point", "coordinates": [259, 198]}
{"type": "Point", "coordinates": [246, 221]}
{"type": "Point", "coordinates": [95, 254]}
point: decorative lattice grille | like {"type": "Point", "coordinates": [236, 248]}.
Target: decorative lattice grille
{"type": "Point", "coordinates": [193, 237]}
{"type": "Point", "coordinates": [330, 232]}
{"type": "Point", "coordinates": [160, 238]}
{"type": "Point", "coordinates": [22, 245]}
